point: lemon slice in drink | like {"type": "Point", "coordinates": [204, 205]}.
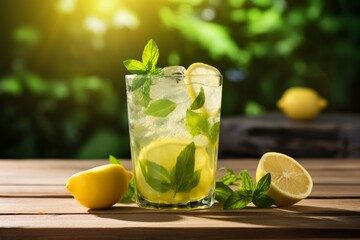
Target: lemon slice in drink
{"type": "Point", "coordinates": [165, 152]}
{"type": "Point", "coordinates": [290, 182]}
{"type": "Point", "coordinates": [201, 75]}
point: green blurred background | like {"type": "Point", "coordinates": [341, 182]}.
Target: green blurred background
{"type": "Point", "coordinates": [62, 88]}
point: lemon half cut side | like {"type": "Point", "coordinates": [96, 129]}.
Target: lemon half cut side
{"type": "Point", "coordinates": [290, 182]}
{"type": "Point", "coordinates": [200, 75]}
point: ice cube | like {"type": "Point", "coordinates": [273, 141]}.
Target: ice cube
{"type": "Point", "coordinates": [174, 70]}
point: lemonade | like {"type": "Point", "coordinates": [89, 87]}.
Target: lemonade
{"type": "Point", "coordinates": [174, 121]}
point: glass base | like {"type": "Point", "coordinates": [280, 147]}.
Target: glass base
{"type": "Point", "coordinates": [205, 202]}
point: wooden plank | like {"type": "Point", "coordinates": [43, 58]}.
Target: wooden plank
{"type": "Point", "coordinates": [319, 191]}
{"type": "Point", "coordinates": [34, 206]}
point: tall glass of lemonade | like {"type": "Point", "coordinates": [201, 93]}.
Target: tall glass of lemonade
{"type": "Point", "coordinates": [174, 122]}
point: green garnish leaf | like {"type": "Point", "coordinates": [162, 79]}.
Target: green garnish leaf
{"type": "Point", "coordinates": [135, 66]}
{"type": "Point", "coordinates": [130, 194]}
{"type": "Point", "coordinates": [114, 160]}
{"type": "Point", "coordinates": [150, 56]}
{"type": "Point", "coordinates": [237, 200]}
{"type": "Point", "coordinates": [155, 175]}
{"type": "Point", "coordinates": [184, 169]}
{"type": "Point", "coordinates": [247, 183]}
{"type": "Point", "coordinates": [138, 82]}
{"type": "Point", "coordinates": [160, 108]}
{"type": "Point", "coordinates": [222, 192]}
{"type": "Point", "coordinates": [142, 95]}
{"type": "Point", "coordinates": [214, 132]}
{"type": "Point", "coordinates": [196, 123]}
{"type": "Point", "coordinates": [199, 100]}
{"type": "Point", "coordinates": [230, 177]}
{"type": "Point", "coordinates": [182, 177]}
{"type": "Point", "coordinates": [248, 191]}
{"type": "Point", "coordinates": [263, 185]}
{"type": "Point", "coordinates": [262, 200]}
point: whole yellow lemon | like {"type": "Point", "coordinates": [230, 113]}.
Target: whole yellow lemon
{"type": "Point", "coordinates": [301, 103]}
{"type": "Point", "coordinates": [99, 187]}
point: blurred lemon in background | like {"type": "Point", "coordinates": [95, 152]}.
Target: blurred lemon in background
{"type": "Point", "coordinates": [301, 103]}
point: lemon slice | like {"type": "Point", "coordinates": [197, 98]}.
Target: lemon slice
{"type": "Point", "coordinates": [165, 152]}
{"type": "Point", "coordinates": [290, 182]}
{"type": "Point", "coordinates": [209, 78]}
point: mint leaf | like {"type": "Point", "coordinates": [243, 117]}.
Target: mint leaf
{"type": "Point", "coordinates": [138, 82]}
{"type": "Point", "coordinates": [262, 200]}
{"type": "Point", "coordinates": [135, 66]}
{"type": "Point", "coordinates": [214, 132]}
{"type": "Point", "coordinates": [142, 95]}
{"type": "Point", "coordinates": [247, 183]}
{"type": "Point", "coordinates": [199, 100]}
{"type": "Point", "coordinates": [196, 123]}
{"type": "Point", "coordinates": [114, 160]}
{"type": "Point", "coordinates": [160, 108]}
{"type": "Point", "coordinates": [130, 194]}
{"type": "Point", "coordinates": [222, 192]}
{"type": "Point", "coordinates": [248, 191]}
{"type": "Point", "coordinates": [150, 55]}
{"type": "Point", "coordinates": [155, 175]}
{"type": "Point", "coordinates": [263, 185]}
{"type": "Point", "coordinates": [230, 177]}
{"type": "Point", "coordinates": [183, 172]}
{"type": "Point", "coordinates": [238, 199]}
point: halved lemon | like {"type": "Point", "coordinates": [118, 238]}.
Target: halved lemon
{"type": "Point", "coordinates": [201, 75]}
{"type": "Point", "coordinates": [290, 182]}
{"type": "Point", "coordinates": [165, 152]}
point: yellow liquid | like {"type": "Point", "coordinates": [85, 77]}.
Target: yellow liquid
{"type": "Point", "coordinates": [165, 153]}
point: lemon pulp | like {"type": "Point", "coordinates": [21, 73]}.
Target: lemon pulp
{"type": "Point", "coordinates": [200, 74]}
{"type": "Point", "coordinates": [165, 152]}
{"type": "Point", "coordinates": [290, 182]}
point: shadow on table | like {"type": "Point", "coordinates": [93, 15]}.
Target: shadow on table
{"type": "Point", "coordinates": [293, 216]}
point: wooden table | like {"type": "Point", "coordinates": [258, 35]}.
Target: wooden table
{"type": "Point", "coordinates": [34, 204]}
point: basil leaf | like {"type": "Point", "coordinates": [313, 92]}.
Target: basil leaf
{"type": "Point", "coordinates": [184, 168]}
{"type": "Point", "coordinates": [199, 100]}
{"type": "Point", "coordinates": [150, 55]}
{"type": "Point", "coordinates": [262, 200]}
{"type": "Point", "coordinates": [214, 132]}
{"type": "Point", "coordinates": [238, 199]}
{"type": "Point", "coordinates": [196, 123]}
{"type": "Point", "coordinates": [222, 192]}
{"type": "Point", "coordinates": [155, 175]}
{"type": "Point", "coordinates": [135, 66]}
{"type": "Point", "coordinates": [263, 185]}
{"type": "Point", "coordinates": [247, 183]}
{"type": "Point", "coordinates": [160, 108]}
{"type": "Point", "coordinates": [230, 177]}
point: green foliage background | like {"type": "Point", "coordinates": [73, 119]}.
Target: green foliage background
{"type": "Point", "coordinates": [62, 88]}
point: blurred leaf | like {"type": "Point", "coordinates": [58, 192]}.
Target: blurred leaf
{"type": "Point", "coordinates": [253, 109]}
{"type": "Point", "coordinates": [27, 35]}
{"type": "Point", "coordinates": [10, 85]}
{"type": "Point", "coordinates": [35, 84]}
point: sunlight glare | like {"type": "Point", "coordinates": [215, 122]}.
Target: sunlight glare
{"type": "Point", "coordinates": [95, 25]}
{"type": "Point", "coordinates": [125, 18]}
{"type": "Point", "coordinates": [66, 6]}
